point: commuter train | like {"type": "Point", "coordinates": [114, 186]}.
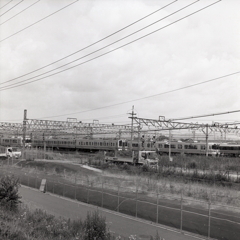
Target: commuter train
{"type": "Point", "coordinates": [178, 147]}
{"type": "Point", "coordinates": [81, 144]}
{"type": "Point", "coordinates": [231, 150]}
{"type": "Point", "coordinates": [114, 144]}
{"type": "Point", "coordinates": [10, 142]}
{"type": "Point", "coordinates": [162, 147]}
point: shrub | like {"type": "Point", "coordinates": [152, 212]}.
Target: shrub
{"type": "Point", "coordinates": [145, 168]}
{"type": "Point", "coordinates": [9, 197]}
{"type": "Point", "coordinates": [126, 167]}
{"type": "Point", "coordinates": [192, 165]}
{"type": "Point", "coordinates": [95, 227]}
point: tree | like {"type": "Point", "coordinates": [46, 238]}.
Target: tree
{"type": "Point", "coordinates": [9, 197]}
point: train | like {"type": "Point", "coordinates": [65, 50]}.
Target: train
{"type": "Point", "coordinates": [11, 142]}
{"type": "Point", "coordinates": [231, 150]}
{"type": "Point", "coordinates": [162, 147]}
{"type": "Point", "coordinates": [81, 144]}
{"type": "Point", "coordinates": [179, 147]}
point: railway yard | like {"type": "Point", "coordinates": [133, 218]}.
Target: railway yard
{"type": "Point", "coordinates": [187, 184]}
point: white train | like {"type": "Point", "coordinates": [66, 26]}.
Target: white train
{"type": "Point", "coordinates": [162, 147]}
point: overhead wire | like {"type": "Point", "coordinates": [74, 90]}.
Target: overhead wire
{"type": "Point", "coordinates": [38, 21]}
{"type": "Point", "coordinates": [18, 84]}
{"type": "Point", "coordinates": [19, 12]}
{"type": "Point", "coordinates": [206, 115]}
{"type": "Point", "coordinates": [6, 4]}
{"type": "Point", "coordinates": [150, 96]}
{"type": "Point", "coordinates": [84, 48]}
{"type": "Point", "coordinates": [11, 8]}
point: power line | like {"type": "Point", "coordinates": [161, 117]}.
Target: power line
{"type": "Point", "coordinates": [11, 8]}
{"type": "Point", "coordinates": [20, 12]}
{"type": "Point", "coordinates": [208, 115]}
{"type": "Point", "coordinates": [5, 4]}
{"type": "Point", "coordinates": [88, 45]}
{"type": "Point", "coordinates": [39, 21]}
{"type": "Point", "coordinates": [15, 84]}
{"type": "Point", "coordinates": [158, 94]}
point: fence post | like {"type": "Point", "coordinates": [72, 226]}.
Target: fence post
{"type": "Point", "coordinates": [102, 194]}
{"type": "Point", "coordinates": [87, 192]}
{"type": "Point", "coordinates": [181, 223]}
{"type": "Point", "coordinates": [75, 192]}
{"type": "Point", "coordinates": [157, 204]}
{"type": "Point", "coordinates": [118, 200]}
{"type": "Point", "coordinates": [209, 217]}
{"type": "Point", "coordinates": [20, 179]}
{"type": "Point", "coordinates": [136, 200]}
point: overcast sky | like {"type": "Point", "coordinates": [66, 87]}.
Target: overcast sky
{"type": "Point", "coordinates": [201, 47]}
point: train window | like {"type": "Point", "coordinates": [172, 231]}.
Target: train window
{"type": "Point", "coordinates": [173, 146]}
{"type": "Point", "coordinates": [190, 146]}
{"type": "Point", "coordinates": [160, 145]}
{"type": "Point", "coordinates": [14, 141]}
{"type": "Point", "coordinates": [148, 145]}
{"type": "Point", "coordinates": [203, 147]}
{"type": "Point", "coordinates": [215, 146]}
{"type": "Point", "coordinates": [100, 143]}
{"type": "Point", "coordinates": [179, 146]}
{"type": "Point", "coordinates": [166, 146]}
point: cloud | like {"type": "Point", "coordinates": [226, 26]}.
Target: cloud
{"type": "Point", "coordinates": [199, 48]}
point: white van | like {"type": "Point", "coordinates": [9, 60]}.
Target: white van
{"type": "Point", "coordinates": [5, 152]}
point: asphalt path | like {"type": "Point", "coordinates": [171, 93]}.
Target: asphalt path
{"type": "Point", "coordinates": [119, 224]}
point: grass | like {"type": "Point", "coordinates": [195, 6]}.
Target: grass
{"type": "Point", "coordinates": [36, 224]}
{"type": "Point", "coordinates": [123, 184]}
{"type": "Point", "coordinates": [27, 224]}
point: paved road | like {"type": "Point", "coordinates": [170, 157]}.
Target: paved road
{"type": "Point", "coordinates": [119, 224]}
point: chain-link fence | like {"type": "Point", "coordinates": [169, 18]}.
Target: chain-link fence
{"type": "Point", "coordinates": [206, 218]}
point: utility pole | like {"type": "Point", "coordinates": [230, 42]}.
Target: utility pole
{"type": "Point", "coordinates": [132, 115]}
{"type": "Point", "coordinates": [169, 142]}
{"type": "Point", "coordinates": [24, 132]}
{"type": "Point", "coordinates": [207, 140]}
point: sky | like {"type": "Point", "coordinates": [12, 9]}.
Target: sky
{"type": "Point", "coordinates": [158, 70]}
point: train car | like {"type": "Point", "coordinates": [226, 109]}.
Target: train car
{"type": "Point", "coordinates": [162, 147]}
{"type": "Point", "coordinates": [231, 150]}
{"type": "Point", "coordinates": [54, 143]}
{"type": "Point", "coordinates": [193, 148]}
{"type": "Point", "coordinates": [81, 144]}
{"type": "Point", "coordinates": [11, 142]}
